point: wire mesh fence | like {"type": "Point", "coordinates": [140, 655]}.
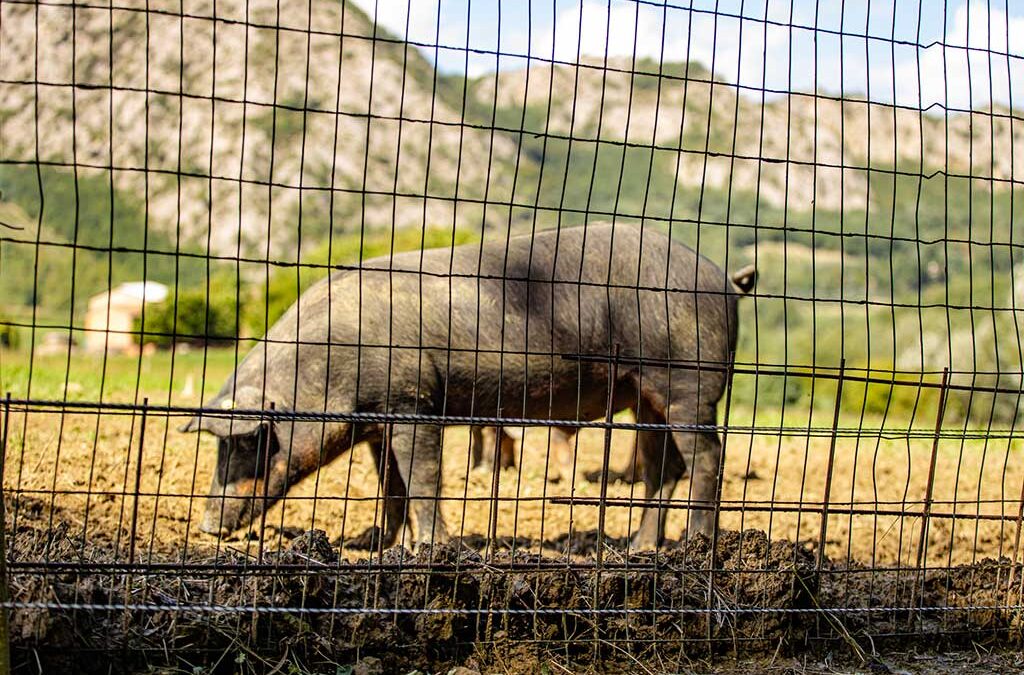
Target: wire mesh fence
{"type": "Point", "coordinates": [599, 335]}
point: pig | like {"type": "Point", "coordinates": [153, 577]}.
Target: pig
{"type": "Point", "coordinates": [470, 331]}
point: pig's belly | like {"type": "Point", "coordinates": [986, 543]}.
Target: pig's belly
{"type": "Point", "coordinates": [531, 392]}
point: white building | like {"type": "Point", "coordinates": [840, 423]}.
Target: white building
{"type": "Point", "coordinates": [110, 319]}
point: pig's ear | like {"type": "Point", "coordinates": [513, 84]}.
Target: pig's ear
{"type": "Point", "coordinates": [745, 279]}
{"type": "Point", "coordinates": [248, 398]}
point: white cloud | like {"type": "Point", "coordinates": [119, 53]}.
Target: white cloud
{"type": "Point", "coordinates": [734, 47]}
{"type": "Point", "coordinates": [958, 75]}
{"type": "Point", "coordinates": [420, 16]}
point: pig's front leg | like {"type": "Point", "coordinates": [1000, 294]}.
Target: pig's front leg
{"type": "Point", "coordinates": [417, 452]}
{"type": "Point", "coordinates": [393, 513]}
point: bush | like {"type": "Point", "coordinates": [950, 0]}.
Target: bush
{"type": "Point", "coordinates": [8, 334]}
{"type": "Point", "coordinates": [189, 316]}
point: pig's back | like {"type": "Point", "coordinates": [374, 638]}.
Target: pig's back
{"type": "Point", "coordinates": [490, 325]}
{"type": "Point", "coordinates": [579, 289]}
{"type": "Point", "coordinates": [600, 254]}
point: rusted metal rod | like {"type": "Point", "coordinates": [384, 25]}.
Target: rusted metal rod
{"type": "Point", "coordinates": [829, 469]}
{"type": "Point", "coordinates": [922, 545]}
{"type": "Point", "coordinates": [5, 638]}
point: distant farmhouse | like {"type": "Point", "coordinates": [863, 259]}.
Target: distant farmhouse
{"type": "Point", "coordinates": [111, 316]}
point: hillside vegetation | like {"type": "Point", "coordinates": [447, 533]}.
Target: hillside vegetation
{"type": "Point", "coordinates": [884, 236]}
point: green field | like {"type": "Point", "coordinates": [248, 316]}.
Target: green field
{"type": "Point", "coordinates": [164, 376]}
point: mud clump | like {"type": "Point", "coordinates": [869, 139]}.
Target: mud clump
{"type": "Point", "coordinates": [964, 604]}
{"type": "Point", "coordinates": [479, 607]}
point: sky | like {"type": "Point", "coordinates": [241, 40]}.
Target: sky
{"type": "Point", "coordinates": [960, 54]}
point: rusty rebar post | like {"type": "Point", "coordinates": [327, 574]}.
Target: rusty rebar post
{"type": "Point", "coordinates": [138, 480]}
{"type": "Point", "coordinates": [602, 504]}
{"type": "Point", "coordinates": [266, 493]}
{"type": "Point", "coordinates": [385, 488]}
{"type": "Point", "coordinates": [719, 479]}
{"type": "Point", "coordinates": [1015, 554]}
{"type": "Point", "coordinates": [126, 617]}
{"type": "Point", "coordinates": [823, 533]}
{"type": "Point", "coordinates": [827, 493]}
{"type": "Point", "coordinates": [609, 416]}
{"type": "Point", "coordinates": [492, 516]}
{"type": "Point", "coordinates": [492, 529]}
{"type": "Point", "coordinates": [926, 511]}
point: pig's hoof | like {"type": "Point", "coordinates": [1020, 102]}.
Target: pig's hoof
{"type": "Point", "coordinates": [368, 540]}
{"type": "Point", "coordinates": [613, 476]}
{"type": "Point", "coordinates": [643, 543]}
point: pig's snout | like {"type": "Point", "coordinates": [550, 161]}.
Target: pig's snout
{"type": "Point", "coordinates": [212, 522]}
{"type": "Point", "coordinates": [231, 507]}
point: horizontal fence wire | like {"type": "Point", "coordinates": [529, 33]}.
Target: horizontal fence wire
{"type": "Point", "coordinates": [538, 611]}
{"type": "Point", "coordinates": [129, 409]}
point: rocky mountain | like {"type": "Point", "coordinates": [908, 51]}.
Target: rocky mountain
{"type": "Point", "coordinates": [226, 124]}
{"type": "Point", "coordinates": [259, 129]}
{"type": "Point", "coordinates": [790, 149]}
{"type": "Point", "coordinates": [242, 127]}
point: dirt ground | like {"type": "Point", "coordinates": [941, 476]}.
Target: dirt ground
{"type": "Point", "coordinates": [86, 466]}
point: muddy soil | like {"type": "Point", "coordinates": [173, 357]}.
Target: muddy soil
{"type": "Point", "coordinates": [511, 607]}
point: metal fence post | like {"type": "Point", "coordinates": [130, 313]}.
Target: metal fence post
{"type": "Point", "coordinates": [606, 457]}
{"type": "Point", "coordinates": [126, 617]}
{"type": "Point", "coordinates": [138, 480]}
{"type": "Point", "coordinates": [492, 529]}
{"type": "Point", "coordinates": [926, 510]}
{"type": "Point", "coordinates": [718, 504]}
{"type": "Point", "coordinates": [602, 506]}
{"type": "Point", "coordinates": [1014, 556]}
{"type": "Point", "coordinates": [266, 494]}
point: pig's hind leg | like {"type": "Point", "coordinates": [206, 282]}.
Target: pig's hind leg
{"type": "Point", "coordinates": [701, 449]}
{"type": "Point", "coordinates": [691, 402]}
{"type": "Point", "coordinates": [661, 467]}
{"type": "Point", "coordinates": [704, 464]}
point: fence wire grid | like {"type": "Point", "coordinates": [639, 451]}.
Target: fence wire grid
{"type": "Point", "coordinates": [380, 335]}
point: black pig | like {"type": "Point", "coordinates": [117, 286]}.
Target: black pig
{"type": "Point", "coordinates": [472, 330]}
